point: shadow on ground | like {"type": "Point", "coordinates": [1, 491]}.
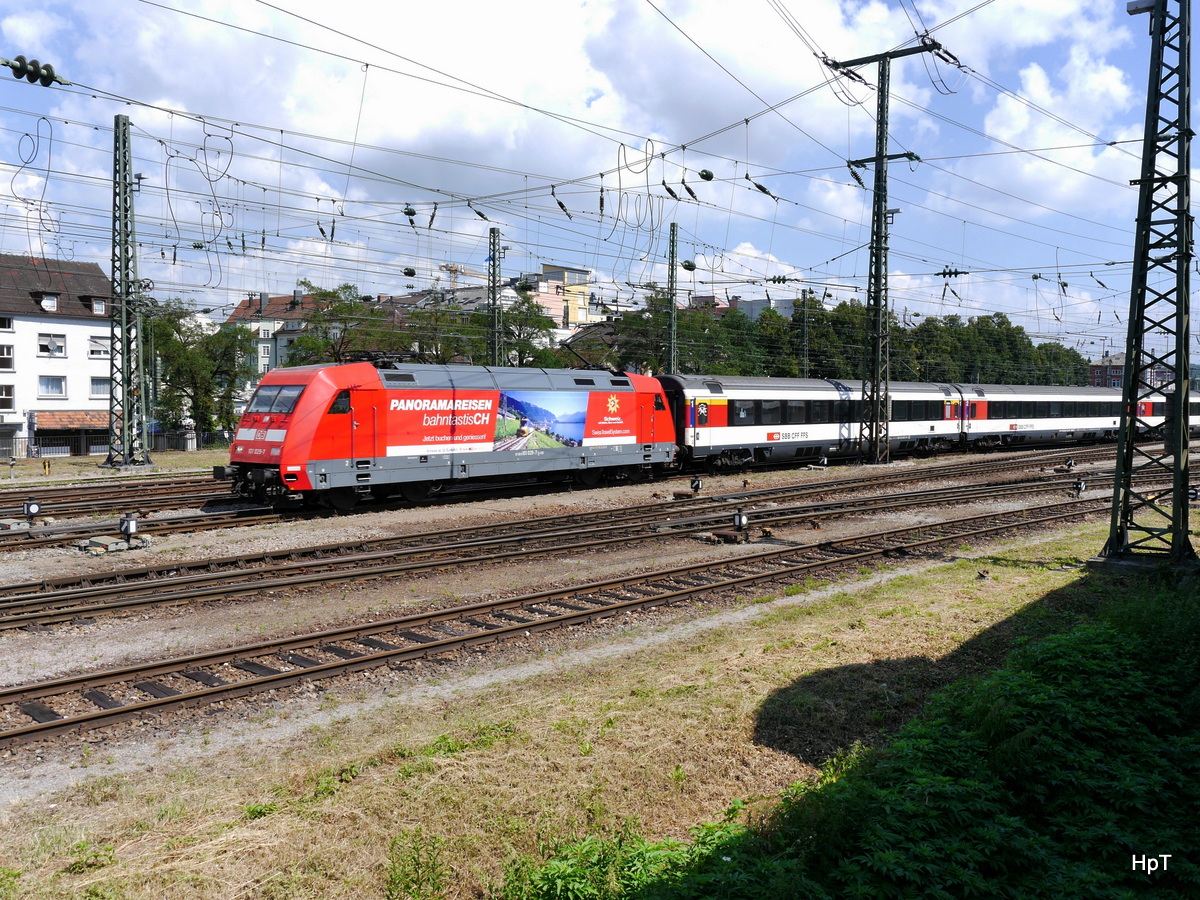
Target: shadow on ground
{"type": "Point", "coordinates": [821, 714]}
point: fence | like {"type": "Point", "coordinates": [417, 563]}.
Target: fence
{"type": "Point", "coordinates": [59, 445]}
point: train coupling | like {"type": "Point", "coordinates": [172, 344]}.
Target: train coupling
{"type": "Point", "coordinates": [223, 473]}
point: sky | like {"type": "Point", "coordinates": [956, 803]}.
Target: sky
{"type": "Point", "coordinates": [351, 143]}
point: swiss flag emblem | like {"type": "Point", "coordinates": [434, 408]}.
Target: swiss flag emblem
{"type": "Point", "coordinates": [772, 435]}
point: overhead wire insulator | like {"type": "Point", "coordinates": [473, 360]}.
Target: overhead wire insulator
{"type": "Point", "coordinates": [561, 205]}
{"type": "Point", "coordinates": [674, 196]}
{"type": "Point", "coordinates": [761, 187]}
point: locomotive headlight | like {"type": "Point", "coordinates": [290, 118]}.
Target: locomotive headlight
{"type": "Point", "coordinates": [239, 449]}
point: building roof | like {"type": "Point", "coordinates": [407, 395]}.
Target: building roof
{"type": "Point", "coordinates": [282, 307]}
{"type": "Point", "coordinates": [25, 281]}
{"type": "Point", "coordinates": [72, 419]}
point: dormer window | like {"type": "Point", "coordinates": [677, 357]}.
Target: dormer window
{"type": "Point", "coordinates": [49, 302]}
{"type": "Point", "coordinates": [99, 307]}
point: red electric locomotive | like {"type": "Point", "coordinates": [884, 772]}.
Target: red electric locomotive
{"type": "Point", "coordinates": [334, 433]}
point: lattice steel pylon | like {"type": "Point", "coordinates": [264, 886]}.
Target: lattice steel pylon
{"type": "Point", "coordinates": [1150, 524]}
{"type": "Point", "coordinates": [127, 401]}
{"type": "Point", "coordinates": [873, 442]}
{"type": "Point", "coordinates": [496, 352]}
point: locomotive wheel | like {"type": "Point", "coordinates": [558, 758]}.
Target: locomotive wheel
{"type": "Point", "coordinates": [419, 491]}
{"type": "Point", "coordinates": [342, 499]}
{"type": "Point", "coordinates": [589, 477]}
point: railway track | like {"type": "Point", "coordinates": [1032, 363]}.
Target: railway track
{"type": "Point", "coordinates": [106, 497]}
{"type": "Point", "coordinates": [60, 534]}
{"type": "Point", "coordinates": [36, 711]}
{"type": "Point", "coordinates": [48, 601]}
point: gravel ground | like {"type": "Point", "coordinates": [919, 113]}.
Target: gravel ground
{"type": "Point", "coordinates": [27, 772]}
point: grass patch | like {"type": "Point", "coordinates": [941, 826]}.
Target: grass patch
{"type": "Point", "coordinates": [1043, 779]}
{"type": "Point", "coordinates": [636, 747]}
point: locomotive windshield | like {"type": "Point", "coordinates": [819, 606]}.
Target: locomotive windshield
{"type": "Point", "coordinates": [275, 398]}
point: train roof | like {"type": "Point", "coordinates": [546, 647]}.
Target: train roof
{"type": "Point", "coordinates": [460, 377]}
{"type": "Point", "coordinates": [747, 383]}
{"type": "Point", "coordinates": [1034, 390]}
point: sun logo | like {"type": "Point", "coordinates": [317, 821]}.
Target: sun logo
{"type": "Point", "coordinates": [614, 404]}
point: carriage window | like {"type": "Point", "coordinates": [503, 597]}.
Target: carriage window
{"type": "Point", "coordinates": [702, 413]}
{"type": "Point", "coordinates": [741, 412]}
{"type": "Point", "coordinates": [1056, 409]}
{"type": "Point", "coordinates": [275, 398]}
{"type": "Point", "coordinates": [818, 411]}
{"type": "Point", "coordinates": [797, 412]}
{"type": "Point", "coordinates": [974, 413]}
{"type": "Point", "coordinates": [919, 412]}
{"type": "Point", "coordinates": [340, 404]}
{"type": "Point", "coordinates": [841, 409]}
{"type": "Point", "coordinates": [901, 410]}
{"type": "Point", "coordinates": [1068, 409]}
{"type": "Point", "coordinates": [770, 412]}
{"type": "Point", "coordinates": [1042, 409]}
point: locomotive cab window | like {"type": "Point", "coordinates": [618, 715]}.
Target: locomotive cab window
{"type": "Point", "coordinates": [340, 404]}
{"type": "Point", "coordinates": [658, 402]}
{"type": "Point", "coordinates": [275, 398]}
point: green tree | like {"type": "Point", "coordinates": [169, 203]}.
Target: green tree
{"type": "Point", "coordinates": [528, 333]}
{"type": "Point", "coordinates": [200, 369]}
{"type": "Point", "coordinates": [341, 323]}
{"type": "Point", "coordinates": [773, 335]}
{"type": "Point", "coordinates": [440, 333]}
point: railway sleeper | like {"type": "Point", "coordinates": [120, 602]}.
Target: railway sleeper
{"type": "Point", "coordinates": [208, 679]}
{"type": "Point", "coordinates": [102, 700]}
{"type": "Point", "coordinates": [39, 712]}
{"type": "Point", "coordinates": [416, 637]}
{"type": "Point", "coordinates": [301, 662]}
{"type": "Point", "coordinates": [376, 643]}
{"type": "Point", "coordinates": [155, 689]}
{"type": "Point", "coordinates": [486, 626]}
{"type": "Point", "coordinates": [514, 618]}
{"type": "Point", "coordinates": [255, 668]}
{"type": "Point", "coordinates": [563, 604]}
{"type": "Point", "coordinates": [341, 652]}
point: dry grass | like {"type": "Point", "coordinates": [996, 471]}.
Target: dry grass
{"type": "Point", "coordinates": [75, 468]}
{"type": "Point", "coordinates": [668, 737]}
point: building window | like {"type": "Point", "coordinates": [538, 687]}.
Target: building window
{"type": "Point", "coordinates": [52, 345]}
{"type": "Point", "coordinates": [8, 400]}
{"type": "Point", "coordinates": [6, 323]}
{"type": "Point", "coordinates": [265, 351]}
{"type": "Point", "coordinates": [264, 333]}
{"type": "Point", "coordinates": [50, 386]}
{"type": "Point", "coordinates": [99, 347]}
{"type": "Point", "coordinates": [6, 358]}
{"type": "Point", "coordinates": [101, 387]}
{"type": "Point", "coordinates": [99, 307]}
{"type": "Point", "coordinates": [50, 302]}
